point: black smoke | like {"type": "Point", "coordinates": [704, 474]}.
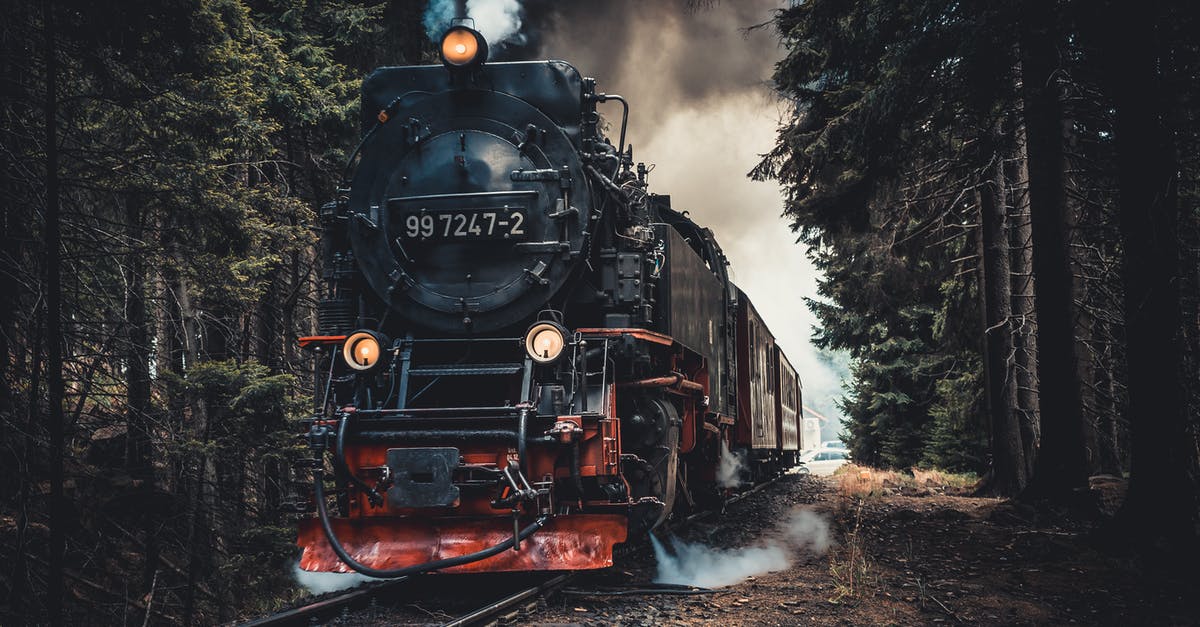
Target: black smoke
{"type": "Point", "coordinates": [678, 52]}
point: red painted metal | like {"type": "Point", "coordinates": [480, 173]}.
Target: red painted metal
{"type": "Point", "coordinates": [568, 542]}
{"type": "Point", "coordinates": [309, 340]}
{"type": "Point", "coordinates": [675, 380]}
{"type": "Point", "coordinates": [641, 334]}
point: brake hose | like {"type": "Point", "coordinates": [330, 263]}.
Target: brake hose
{"type": "Point", "coordinates": [416, 569]}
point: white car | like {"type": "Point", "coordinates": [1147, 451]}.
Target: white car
{"type": "Point", "coordinates": [835, 444]}
{"type": "Point", "coordinates": [823, 462]}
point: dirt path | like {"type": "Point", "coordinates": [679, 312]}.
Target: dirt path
{"type": "Point", "coordinates": [896, 560]}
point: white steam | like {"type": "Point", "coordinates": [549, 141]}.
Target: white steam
{"type": "Point", "coordinates": [499, 21]}
{"type": "Point", "coordinates": [320, 583]}
{"type": "Point", "coordinates": [437, 18]}
{"type": "Point", "coordinates": [707, 567]}
{"type": "Point", "coordinates": [729, 468]}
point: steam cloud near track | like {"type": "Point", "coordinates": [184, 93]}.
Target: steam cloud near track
{"type": "Point", "coordinates": [729, 468]}
{"type": "Point", "coordinates": [707, 567]}
{"type": "Point", "coordinates": [320, 583]}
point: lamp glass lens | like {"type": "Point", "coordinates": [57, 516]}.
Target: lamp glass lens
{"type": "Point", "coordinates": [362, 351]}
{"type": "Point", "coordinates": [459, 47]}
{"type": "Point", "coordinates": [544, 343]}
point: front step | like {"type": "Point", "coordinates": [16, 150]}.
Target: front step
{"type": "Point", "coordinates": [472, 370]}
{"type": "Point", "coordinates": [567, 542]}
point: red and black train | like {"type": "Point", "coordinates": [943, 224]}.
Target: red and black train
{"type": "Point", "coordinates": [527, 357]}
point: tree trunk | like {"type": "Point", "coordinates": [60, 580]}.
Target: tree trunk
{"type": "Point", "coordinates": [202, 475]}
{"type": "Point", "coordinates": [139, 454]}
{"type": "Point", "coordinates": [1008, 463]}
{"type": "Point", "coordinates": [1161, 508]}
{"type": "Point", "coordinates": [1024, 308]}
{"type": "Point", "coordinates": [54, 352]}
{"type": "Point", "coordinates": [1081, 258]}
{"type": "Point", "coordinates": [1060, 467]}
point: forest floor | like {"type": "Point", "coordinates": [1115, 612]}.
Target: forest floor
{"type": "Point", "coordinates": [902, 553]}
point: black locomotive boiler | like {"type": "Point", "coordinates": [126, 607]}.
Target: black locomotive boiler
{"type": "Point", "coordinates": [527, 357]}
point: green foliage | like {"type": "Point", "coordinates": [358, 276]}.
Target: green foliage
{"type": "Point", "coordinates": [956, 438]}
{"type": "Point", "coordinates": [878, 160]}
{"type": "Point", "coordinates": [259, 557]}
{"type": "Point", "coordinates": [196, 139]}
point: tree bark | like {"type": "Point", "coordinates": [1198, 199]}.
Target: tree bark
{"type": "Point", "coordinates": [139, 453]}
{"type": "Point", "coordinates": [1161, 508]}
{"type": "Point", "coordinates": [202, 475]}
{"type": "Point", "coordinates": [1024, 308]}
{"type": "Point", "coordinates": [54, 351]}
{"type": "Point", "coordinates": [1060, 467]}
{"type": "Point", "coordinates": [1008, 464]}
{"type": "Point", "coordinates": [1086, 338]}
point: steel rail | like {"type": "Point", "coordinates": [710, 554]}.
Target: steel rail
{"type": "Point", "coordinates": [512, 600]}
{"type": "Point", "coordinates": [305, 613]}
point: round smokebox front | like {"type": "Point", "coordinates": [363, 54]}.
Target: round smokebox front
{"type": "Point", "coordinates": [466, 221]}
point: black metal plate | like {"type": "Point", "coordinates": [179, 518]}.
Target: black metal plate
{"type": "Point", "coordinates": [463, 225]}
{"type": "Point", "coordinates": [421, 477]}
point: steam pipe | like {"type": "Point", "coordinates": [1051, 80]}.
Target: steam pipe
{"type": "Point", "coordinates": [624, 119]}
{"type": "Point", "coordinates": [675, 380]}
{"type": "Point", "coordinates": [434, 435]}
{"type": "Point", "coordinates": [416, 569]}
{"type": "Point", "coordinates": [583, 401]}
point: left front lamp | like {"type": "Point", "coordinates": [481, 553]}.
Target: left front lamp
{"type": "Point", "coordinates": [363, 350]}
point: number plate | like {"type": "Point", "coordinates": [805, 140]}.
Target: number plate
{"type": "Point", "coordinates": [486, 223]}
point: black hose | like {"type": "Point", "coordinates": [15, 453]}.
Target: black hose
{"type": "Point", "coordinates": [323, 515]}
{"type": "Point", "coordinates": [340, 457]}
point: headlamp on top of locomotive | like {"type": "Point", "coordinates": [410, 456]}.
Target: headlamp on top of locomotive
{"type": "Point", "coordinates": [463, 48]}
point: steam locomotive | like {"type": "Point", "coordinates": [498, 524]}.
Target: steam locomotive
{"type": "Point", "coordinates": [527, 357]}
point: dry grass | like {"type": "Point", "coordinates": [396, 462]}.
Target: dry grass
{"type": "Point", "coordinates": [851, 570]}
{"type": "Point", "coordinates": [861, 481]}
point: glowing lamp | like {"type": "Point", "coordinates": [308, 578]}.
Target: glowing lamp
{"type": "Point", "coordinates": [463, 47]}
{"type": "Point", "coordinates": [362, 350]}
{"type": "Point", "coordinates": [545, 341]}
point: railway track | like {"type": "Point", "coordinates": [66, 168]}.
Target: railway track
{"type": "Point", "coordinates": [512, 607]}
{"type": "Point", "coordinates": [328, 607]}
{"type": "Point", "coordinates": [509, 609]}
